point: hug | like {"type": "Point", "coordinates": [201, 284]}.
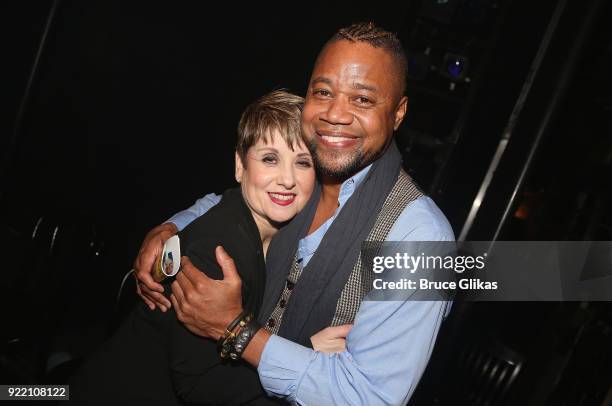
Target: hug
{"type": "Point", "coordinates": [269, 305]}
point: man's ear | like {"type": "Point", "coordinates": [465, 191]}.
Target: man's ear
{"type": "Point", "coordinates": [239, 167]}
{"type": "Point", "coordinates": [400, 112]}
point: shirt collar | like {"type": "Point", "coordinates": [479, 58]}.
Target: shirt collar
{"type": "Point", "coordinates": [309, 244]}
{"type": "Point", "coordinates": [349, 186]}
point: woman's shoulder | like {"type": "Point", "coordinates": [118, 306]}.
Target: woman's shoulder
{"type": "Point", "coordinates": [221, 218]}
{"type": "Point", "coordinates": [229, 223]}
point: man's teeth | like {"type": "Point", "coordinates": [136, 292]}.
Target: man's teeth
{"type": "Point", "coordinates": [281, 197]}
{"type": "Point", "coordinates": [333, 139]}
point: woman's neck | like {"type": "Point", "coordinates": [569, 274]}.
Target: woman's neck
{"type": "Point", "coordinates": [266, 232]}
{"type": "Point", "coordinates": [265, 244]}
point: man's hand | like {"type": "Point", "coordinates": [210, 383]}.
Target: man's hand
{"type": "Point", "coordinates": [331, 339]}
{"type": "Point", "coordinates": [149, 290]}
{"type": "Point", "coordinates": [207, 306]}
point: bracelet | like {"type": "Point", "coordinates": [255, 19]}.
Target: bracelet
{"type": "Point", "coordinates": [231, 327]}
{"type": "Point", "coordinates": [226, 341]}
{"type": "Point", "coordinates": [232, 344]}
{"type": "Point", "coordinates": [248, 328]}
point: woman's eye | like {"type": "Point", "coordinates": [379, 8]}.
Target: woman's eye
{"type": "Point", "coordinates": [305, 164]}
{"type": "Point", "coordinates": [269, 159]}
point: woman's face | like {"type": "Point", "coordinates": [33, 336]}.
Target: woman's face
{"type": "Point", "coordinates": [276, 182]}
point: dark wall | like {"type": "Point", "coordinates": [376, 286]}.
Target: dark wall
{"type": "Point", "coordinates": [132, 115]}
{"type": "Point", "coordinates": [22, 29]}
{"type": "Point", "coordinates": [133, 112]}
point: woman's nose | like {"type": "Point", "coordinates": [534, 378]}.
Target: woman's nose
{"type": "Point", "coordinates": [286, 177]}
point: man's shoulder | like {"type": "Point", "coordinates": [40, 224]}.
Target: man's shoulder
{"type": "Point", "coordinates": [421, 220]}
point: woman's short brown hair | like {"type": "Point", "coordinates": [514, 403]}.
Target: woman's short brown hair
{"type": "Point", "coordinates": [278, 111]}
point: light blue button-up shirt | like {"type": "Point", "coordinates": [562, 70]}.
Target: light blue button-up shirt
{"type": "Point", "coordinates": [390, 343]}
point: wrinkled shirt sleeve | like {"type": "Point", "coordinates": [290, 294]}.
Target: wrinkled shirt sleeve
{"type": "Point", "coordinates": [201, 206]}
{"type": "Point", "coordinates": [387, 349]}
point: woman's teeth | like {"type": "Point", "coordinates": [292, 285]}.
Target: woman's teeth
{"type": "Point", "coordinates": [282, 197]}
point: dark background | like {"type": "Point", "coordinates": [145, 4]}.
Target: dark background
{"type": "Point", "coordinates": [119, 114]}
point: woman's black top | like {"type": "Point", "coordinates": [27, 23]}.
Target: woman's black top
{"type": "Point", "coordinates": [153, 359]}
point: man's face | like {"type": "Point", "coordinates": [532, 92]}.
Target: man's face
{"type": "Point", "coordinates": [353, 104]}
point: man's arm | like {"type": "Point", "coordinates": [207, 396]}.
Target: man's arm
{"type": "Point", "coordinates": [149, 290]}
{"type": "Point", "coordinates": [387, 352]}
{"type": "Point", "coordinates": [201, 206]}
{"type": "Point", "coordinates": [387, 348]}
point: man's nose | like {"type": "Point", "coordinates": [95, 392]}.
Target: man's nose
{"type": "Point", "coordinates": [338, 112]}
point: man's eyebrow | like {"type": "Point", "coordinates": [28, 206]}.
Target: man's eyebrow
{"type": "Point", "coordinates": [321, 79]}
{"type": "Point", "coordinates": [363, 86]}
{"type": "Point", "coordinates": [355, 85]}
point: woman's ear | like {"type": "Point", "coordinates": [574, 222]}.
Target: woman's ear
{"type": "Point", "coordinates": [239, 167]}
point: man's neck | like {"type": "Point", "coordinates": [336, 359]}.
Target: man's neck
{"type": "Point", "coordinates": [328, 202]}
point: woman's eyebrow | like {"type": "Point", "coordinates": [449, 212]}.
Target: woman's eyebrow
{"type": "Point", "coordinates": [270, 149]}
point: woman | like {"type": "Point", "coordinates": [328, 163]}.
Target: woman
{"type": "Point", "coordinates": [276, 177]}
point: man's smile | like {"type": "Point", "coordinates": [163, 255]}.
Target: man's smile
{"type": "Point", "coordinates": [334, 139]}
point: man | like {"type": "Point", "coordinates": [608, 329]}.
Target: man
{"type": "Point", "coordinates": [355, 101]}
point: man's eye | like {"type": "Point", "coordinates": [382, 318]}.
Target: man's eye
{"type": "Point", "coordinates": [322, 92]}
{"type": "Point", "coordinates": [363, 100]}
{"type": "Point", "coordinates": [269, 159]}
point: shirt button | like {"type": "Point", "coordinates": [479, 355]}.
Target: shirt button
{"type": "Point", "coordinates": [282, 303]}
{"type": "Point", "coordinates": [290, 285]}
{"type": "Point", "coordinates": [271, 323]}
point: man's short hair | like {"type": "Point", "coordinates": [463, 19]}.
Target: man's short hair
{"type": "Point", "coordinates": [278, 111]}
{"type": "Point", "coordinates": [378, 38]}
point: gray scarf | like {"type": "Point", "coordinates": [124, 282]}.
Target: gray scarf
{"type": "Point", "coordinates": [313, 301]}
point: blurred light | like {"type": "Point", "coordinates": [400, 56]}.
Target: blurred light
{"type": "Point", "coordinates": [455, 66]}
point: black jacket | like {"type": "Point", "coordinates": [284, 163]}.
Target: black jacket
{"type": "Point", "coordinates": [153, 358]}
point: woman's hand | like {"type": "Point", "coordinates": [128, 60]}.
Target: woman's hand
{"type": "Point", "coordinates": [331, 339]}
{"type": "Point", "coordinates": [149, 290]}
